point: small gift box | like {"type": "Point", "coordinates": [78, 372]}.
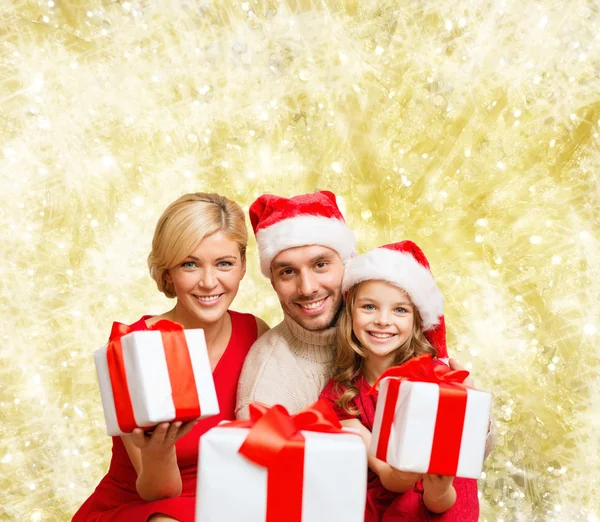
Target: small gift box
{"type": "Point", "coordinates": [151, 376]}
{"type": "Point", "coordinates": [427, 421]}
{"type": "Point", "coordinates": [282, 468]}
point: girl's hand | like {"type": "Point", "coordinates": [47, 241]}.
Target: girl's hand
{"type": "Point", "coordinates": [437, 485]}
{"type": "Point", "coordinates": [438, 493]}
{"type": "Point", "coordinates": [406, 477]}
{"type": "Point", "coordinates": [455, 366]}
{"type": "Point", "coordinates": [162, 439]}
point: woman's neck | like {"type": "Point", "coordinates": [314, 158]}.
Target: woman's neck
{"type": "Point", "coordinates": [212, 331]}
{"type": "Point", "coordinates": [374, 366]}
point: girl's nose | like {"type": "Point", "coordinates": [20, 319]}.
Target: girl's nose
{"type": "Point", "coordinates": [383, 319]}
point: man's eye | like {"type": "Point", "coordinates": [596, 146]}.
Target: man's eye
{"type": "Point", "coordinates": [286, 272]}
{"type": "Point", "coordinates": [321, 265]}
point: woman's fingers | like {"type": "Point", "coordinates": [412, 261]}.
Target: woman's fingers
{"type": "Point", "coordinates": [185, 429]}
{"type": "Point", "coordinates": [171, 435]}
{"type": "Point", "coordinates": [159, 433]}
{"type": "Point", "coordinates": [138, 438]}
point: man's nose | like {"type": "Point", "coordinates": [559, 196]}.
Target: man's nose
{"type": "Point", "coordinates": [307, 285]}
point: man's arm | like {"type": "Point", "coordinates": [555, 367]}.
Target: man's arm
{"type": "Point", "coordinates": [253, 371]}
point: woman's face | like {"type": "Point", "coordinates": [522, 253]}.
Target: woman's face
{"type": "Point", "coordinates": [207, 281]}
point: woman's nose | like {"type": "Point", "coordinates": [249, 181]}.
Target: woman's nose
{"type": "Point", "coordinates": [207, 279]}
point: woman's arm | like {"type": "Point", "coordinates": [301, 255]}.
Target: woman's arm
{"type": "Point", "coordinates": [261, 326]}
{"type": "Point", "coordinates": [155, 459]}
{"type": "Point", "coordinates": [392, 479]}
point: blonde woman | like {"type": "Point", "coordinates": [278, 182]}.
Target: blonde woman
{"type": "Point", "coordinates": [198, 258]}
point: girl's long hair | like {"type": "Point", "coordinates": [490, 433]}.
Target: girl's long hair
{"type": "Point", "coordinates": [350, 355]}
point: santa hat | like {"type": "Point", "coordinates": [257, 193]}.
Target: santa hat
{"type": "Point", "coordinates": [309, 219]}
{"type": "Point", "coordinates": [404, 264]}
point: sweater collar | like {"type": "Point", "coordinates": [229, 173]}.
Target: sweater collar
{"type": "Point", "coordinates": [317, 345]}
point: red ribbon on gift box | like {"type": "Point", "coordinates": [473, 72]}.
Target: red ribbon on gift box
{"type": "Point", "coordinates": [275, 442]}
{"type": "Point", "coordinates": [450, 417]}
{"type": "Point", "coordinates": [179, 364]}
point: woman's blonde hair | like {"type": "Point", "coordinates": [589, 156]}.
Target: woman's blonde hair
{"type": "Point", "coordinates": [184, 224]}
{"type": "Point", "coordinates": [350, 354]}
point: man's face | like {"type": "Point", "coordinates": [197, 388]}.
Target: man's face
{"type": "Point", "coordinates": [308, 282]}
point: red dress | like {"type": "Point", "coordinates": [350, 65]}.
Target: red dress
{"type": "Point", "coordinates": [116, 498]}
{"type": "Point", "coordinates": [387, 506]}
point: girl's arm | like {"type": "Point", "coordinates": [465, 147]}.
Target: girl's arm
{"type": "Point", "coordinates": [155, 459]}
{"type": "Point", "coordinates": [392, 479]}
{"type": "Point", "coordinates": [439, 494]}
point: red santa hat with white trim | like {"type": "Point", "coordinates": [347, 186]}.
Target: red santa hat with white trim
{"type": "Point", "coordinates": [404, 264]}
{"type": "Point", "coordinates": [309, 219]}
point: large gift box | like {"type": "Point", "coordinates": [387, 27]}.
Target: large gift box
{"type": "Point", "coordinates": [427, 421]}
{"type": "Point", "coordinates": [151, 376]}
{"type": "Point", "coordinates": [282, 468]}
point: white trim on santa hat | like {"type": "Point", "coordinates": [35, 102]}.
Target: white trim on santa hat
{"type": "Point", "coordinates": [404, 271]}
{"type": "Point", "coordinates": [304, 230]}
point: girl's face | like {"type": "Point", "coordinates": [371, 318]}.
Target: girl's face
{"type": "Point", "coordinates": [207, 281]}
{"type": "Point", "coordinates": [382, 317]}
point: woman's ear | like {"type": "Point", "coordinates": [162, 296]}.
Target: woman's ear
{"type": "Point", "coordinates": [167, 277]}
{"type": "Point", "coordinates": [243, 266]}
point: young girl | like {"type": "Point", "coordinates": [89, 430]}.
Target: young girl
{"type": "Point", "coordinates": [393, 312]}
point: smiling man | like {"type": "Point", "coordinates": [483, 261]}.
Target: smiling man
{"type": "Point", "coordinates": [303, 243]}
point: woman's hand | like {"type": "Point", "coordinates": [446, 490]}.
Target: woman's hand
{"type": "Point", "coordinates": [161, 441]}
{"type": "Point", "coordinates": [438, 493]}
{"type": "Point", "coordinates": [158, 472]}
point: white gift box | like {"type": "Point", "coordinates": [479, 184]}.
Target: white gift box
{"type": "Point", "coordinates": [232, 488]}
{"type": "Point", "coordinates": [148, 381]}
{"type": "Point", "coordinates": [411, 438]}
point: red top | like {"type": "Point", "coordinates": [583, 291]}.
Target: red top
{"type": "Point", "coordinates": [116, 498]}
{"type": "Point", "coordinates": [387, 506]}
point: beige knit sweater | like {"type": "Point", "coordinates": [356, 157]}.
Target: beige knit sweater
{"type": "Point", "coordinates": [288, 365]}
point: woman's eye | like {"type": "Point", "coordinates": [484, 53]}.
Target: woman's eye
{"type": "Point", "coordinates": [188, 264]}
{"type": "Point", "coordinates": [225, 264]}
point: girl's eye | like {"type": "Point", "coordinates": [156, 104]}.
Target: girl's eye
{"type": "Point", "coordinates": [401, 310]}
{"type": "Point", "coordinates": [369, 307]}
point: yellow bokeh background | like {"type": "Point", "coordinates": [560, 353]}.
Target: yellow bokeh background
{"type": "Point", "coordinates": [470, 127]}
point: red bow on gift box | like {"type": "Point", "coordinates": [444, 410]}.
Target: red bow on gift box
{"type": "Point", "coordinates": [450, 414]}
{"type": "Point", "coordinates": [275, 442]}
{"type": "Point", "coordinates": [181, 375]}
